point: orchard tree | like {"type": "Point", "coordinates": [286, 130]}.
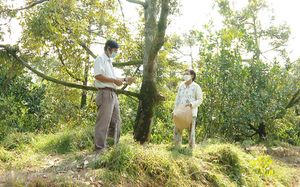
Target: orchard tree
{"type": "Point", "coordinates": [243, 83]}
{"type": "Point", "coordinates": [57, 36]}
{"type": "Point", "coordinates": [154, 40]}
{"type": "Point", "coordinates": [63, 27]}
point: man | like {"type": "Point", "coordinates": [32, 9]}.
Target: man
{"type": "Point", "coordinates": [108, 113]}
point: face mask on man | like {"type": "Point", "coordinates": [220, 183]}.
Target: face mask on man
{"type": "Point", "coordinates": [113, 55]}
{"type": "Point", "coordinates": [187, 77]}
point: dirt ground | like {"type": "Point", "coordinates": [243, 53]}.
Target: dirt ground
{"type": "Point", "coordinates": [290, 156]}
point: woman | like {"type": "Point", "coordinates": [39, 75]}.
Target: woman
{"type": "Point", "coordinates": [189, 93]}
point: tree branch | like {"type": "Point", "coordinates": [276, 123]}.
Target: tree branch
{"type": "Point", "coordinates": [246, 60]}
{"type": "Point", "coordinates": [83, 45]}
{"type": "Point", "coordinates": [62, 62]}
{"type": "Point", "coordinates": [293, 101]}
{"type": "Point", "coordinates": [129, 63]}
{"type": "Point", "coordinates": [121, 9]}
{"type": "Point", "coordinates": [274, 48]}
{"type": "Point", "coordinates": [115, 64]}
{"type": "Point", "coordinates": [252, 127]}
{"type": "Point", "coordinates": [137, 2]}
{"type": "Point", "coordinates": [123, 16]}
{"type": "Point", "coordinates": [29, 5]}
{"type": "Point", "coordinates": [161, 30]}
{"type": "Point", "coordinates": [13, 53]}
{"type": "Point", "coordinates": [297, 100]}
{"type": "Point", "coordinates": [180, 51]}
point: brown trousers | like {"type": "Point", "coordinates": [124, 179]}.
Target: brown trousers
{"type": "Point", "coordinates": [108, 117]}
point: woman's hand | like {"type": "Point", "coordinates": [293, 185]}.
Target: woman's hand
{"type": "Point", "coordinates": [190, 105]}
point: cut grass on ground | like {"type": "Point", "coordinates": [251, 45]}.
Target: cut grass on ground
{"type": "Point", "coordinates": [67, 159]}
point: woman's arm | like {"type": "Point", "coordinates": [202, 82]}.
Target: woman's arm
{"type": "Point", "coordinates": [198, 96]}
{"type": "Point", "coordinates": [176, 100]}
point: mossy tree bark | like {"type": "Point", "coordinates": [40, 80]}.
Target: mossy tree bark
{"type": "Point", "coordinates": [154, 40]}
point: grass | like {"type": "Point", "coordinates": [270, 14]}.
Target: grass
{"type": "Point", "coordinates": [67, 159]}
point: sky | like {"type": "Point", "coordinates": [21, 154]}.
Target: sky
{"type": "Point", "coordinates": [195, 13]}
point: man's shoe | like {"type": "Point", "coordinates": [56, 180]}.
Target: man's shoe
{"type": "Point", "coordinates": [101, 151]}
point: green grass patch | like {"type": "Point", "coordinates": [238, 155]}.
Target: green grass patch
{"type": "Point", "coordinates": [218, 164]}
{"type": "Point", "coordinates": [68, 157]}
{"type": "Point", "coordinates": [5, 155]}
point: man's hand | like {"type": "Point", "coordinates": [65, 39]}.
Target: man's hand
{"type": "Point", "coordinates": [190, 105]}
{"type": "Point", "coordinates": [130, 80]}
{"type": "Point", "coordinates": [118, 82]}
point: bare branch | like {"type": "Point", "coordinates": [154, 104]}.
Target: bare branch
{"type": "Point", "coordinates": [274, 48]}
{"type": "Point", "coordinates": [265, 57]}
{"type": "Point", "coordinates": [32, 4]}
{"type": "Point", "coordinates": [180, 51]}
{"type": "Point", "coordinates": [121, 9]}
{"type": "Point", "coordinates": [138, 2]}
{"type": "Point", "coordinates": [123, 17]}
{"type": "Point", "coordinates": [68, 71]}
{"type": "Point", "coordinates": [83, 45]}
{"type": "Point", "coordinates": [28, 6]}
{"type": "Point", "coordinates": [249, 23]}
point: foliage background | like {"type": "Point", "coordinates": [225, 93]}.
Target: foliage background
{"type": "Point", "coordinates": [241, 88]}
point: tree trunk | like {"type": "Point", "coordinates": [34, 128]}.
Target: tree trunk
{"type": "Point", "coordinates": [84, 92]}
{"type": "Point", "coordinates": [145, 115]}
{"type": "Point", "coordinates": [83, 99]}
{"type": "Point", "coordinates": [149, 97]}
{"type": "Point", "coordinates": [147, 103]}
{"type": "Point", "coordinates": [261, 131]}
{"type": "Point", "coordinates": [86, 73]}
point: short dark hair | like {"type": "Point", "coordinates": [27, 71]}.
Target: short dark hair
{"type": "Point", "coordinates": [192, 72]}
{"type": "Point", "coordinates": [111, 44]}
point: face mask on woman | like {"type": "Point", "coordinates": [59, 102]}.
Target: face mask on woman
{"type": "Point", "coordinates": [187, 77]}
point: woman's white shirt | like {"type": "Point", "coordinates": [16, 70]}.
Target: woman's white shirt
{"type": "Point", "coordinates": [191, 94]}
